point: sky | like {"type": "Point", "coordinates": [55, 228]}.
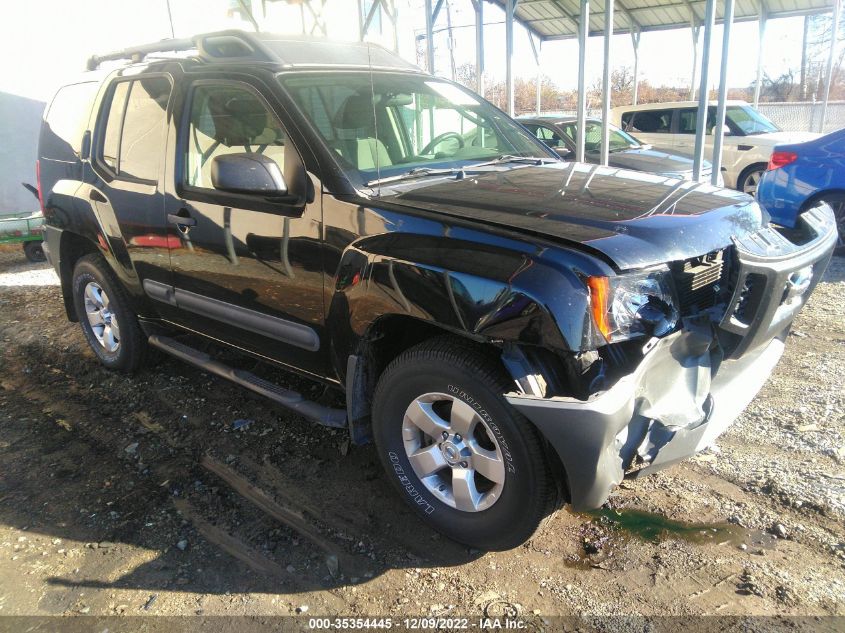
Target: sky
{"type": "Point", "coordinates": [39, 55]}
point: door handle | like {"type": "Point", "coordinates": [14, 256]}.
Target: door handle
{"type": "Point", "coordinates": [181, 219]}
{"type": "Point", "coordinates": [96, 196]}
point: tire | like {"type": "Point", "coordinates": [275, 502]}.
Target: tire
{"type": "Point", "coordinates": [750, 178]}
{"type": "Point", "coordinates": [837, 203]}
{"type": "Point", "coordinates": [461, 387]}
{"type": "Point", "coordinates": [112, 331]}
{"type": "Point", "coordinates": [34, 251]}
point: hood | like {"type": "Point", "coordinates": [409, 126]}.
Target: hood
{"type": "Point", "coordinates": [634, 219]}
{"type": "Point", "coordinates": [778, 138]}
{"type": "Point", "coordinates": [653, 160]}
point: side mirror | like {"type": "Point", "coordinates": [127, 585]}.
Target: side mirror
{"type": "Point", "coordinates": [248, 172]}
{"type": "Point", "coordinates": [565, 152]}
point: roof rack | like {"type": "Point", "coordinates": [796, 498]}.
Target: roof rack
{"type": "Point", "coordinates": [230, 45]}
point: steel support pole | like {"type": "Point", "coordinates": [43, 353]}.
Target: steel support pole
{"type": "Point", "coordinates": [605, 82]}
{"type": "Point", "coordinates": [635, 40]}
{"type": "Point", "coordinates": [719, 132]}
{"type": "Point", "coordinates": [537, 49]}
{"type": "Point", "coordinates": [834, 30]}
{"type": "Point", "coordinates": [583, 33]}
{"type": "Point", "coordinates": [696, 30]}
{"type": "Point", "coordinates": [701, 118]}
{"type": "Point", "coordinates": [429, 37]}
{"type": "Point", "coordinates": [509, 9]}
{"type": "Point", "coordinates": [758, 84]}
{"type": "Point", "coordinates": [479, 46]}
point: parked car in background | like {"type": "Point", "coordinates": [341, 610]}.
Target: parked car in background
{"type": "Point", "coordinates": [749, 135]}
{"type": "Point", "coordinates": [801, 176]}
{"type": "Point", "coordinates": [626, 152]}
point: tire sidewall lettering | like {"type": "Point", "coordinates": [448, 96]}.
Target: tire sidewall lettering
{"type": "Point", "coordinates": [458, 392]}
{"type": "Point", "coordinates": [407, 484]}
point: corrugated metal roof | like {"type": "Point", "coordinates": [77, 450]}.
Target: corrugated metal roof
{"type": "Point", "coordinates": [558, 19]}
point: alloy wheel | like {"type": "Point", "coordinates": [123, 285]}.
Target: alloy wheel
{"type": "Point", "coordinates": [453, 452]}
{"type": "Point", "coordinates": [752, 180]}
{"type": "Point", "coordinates": [102, 320]}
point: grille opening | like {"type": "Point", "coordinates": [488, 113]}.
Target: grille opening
{"type": "Point", "coordinates": [701, 282]}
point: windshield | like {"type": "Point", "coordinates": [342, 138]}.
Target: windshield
{"type": "Point", "coordinates": [618, 142]}
{"type": "Point", "coordinates": [749, 121]}
{"type": "Point", "coordinates": [404, 122]}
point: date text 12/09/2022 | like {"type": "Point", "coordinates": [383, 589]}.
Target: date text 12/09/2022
{"type": "Point", "coordinates": [421, 623]}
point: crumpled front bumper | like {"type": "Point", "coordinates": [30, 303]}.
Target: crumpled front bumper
{"type": "Point", "coordinates": [691, 385]}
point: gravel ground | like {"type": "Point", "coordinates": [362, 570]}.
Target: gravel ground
{"type": "Point", "coordinates": [138, 496]}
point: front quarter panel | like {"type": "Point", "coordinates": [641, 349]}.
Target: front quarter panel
{"type": "Point", "coordinates": [477, 284]}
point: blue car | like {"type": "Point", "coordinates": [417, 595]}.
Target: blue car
{"type": "Point", "coordinates": [801, 175]}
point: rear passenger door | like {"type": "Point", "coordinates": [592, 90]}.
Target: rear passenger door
{"type": "Point", "coordinates": [248, 269]}
{"type": "Point", "coordinates": [651, 126]}
{"type": "Point", "coordinates": [128, 160]}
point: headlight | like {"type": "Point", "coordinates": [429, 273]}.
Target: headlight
{"type": "Point", "coordinates": [634, 305]}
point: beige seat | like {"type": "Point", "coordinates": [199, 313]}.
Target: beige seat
{"type": "Point", "coordinates": [356, 135]}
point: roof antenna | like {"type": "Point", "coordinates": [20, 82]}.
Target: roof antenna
{"type": "Point", "coordinates": [248, 12]}
{"type": "Point", "coordinates": [170, 17]}
{"type": "Point", "coordinates": [375, 121]}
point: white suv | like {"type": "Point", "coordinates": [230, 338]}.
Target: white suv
{"type": "Point", "coordinates": [749, 135]}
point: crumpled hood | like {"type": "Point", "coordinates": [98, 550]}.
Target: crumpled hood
{"type": "Point", "coordinates": [634, 218]}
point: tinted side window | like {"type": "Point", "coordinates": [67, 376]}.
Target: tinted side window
{"type": "Point", "coordinates": [649, 121]}
{"type": "Point", "coordinates": [687, 120]}
{"type": "Point", "coordinates": [67, 120]}
{"type": "Point", "coordinates": [133, 141]}
{"type": "Point", "coordinates": [111, 138]}
{"type": "Point", "coordinates": [142, 140]}
{"type": "Point", "coordinates": [229, 119]}
{"type": "Point", "coordinates": [627, 119]}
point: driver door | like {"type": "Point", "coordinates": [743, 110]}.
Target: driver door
{"type": "Point", "coordinates": [248, 269]}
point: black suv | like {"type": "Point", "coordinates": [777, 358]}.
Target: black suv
{"type": "Point", "coordinates": [511, 330]}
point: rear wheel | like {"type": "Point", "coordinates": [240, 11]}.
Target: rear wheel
{"type": "Point", "coordinates": [837, 203]}
{"type": "Point", "coordinates": [467, 462]}
{"type": "Point", "coordinates": [34, 251]}
{"type": "Point", "coordinates": [107, 320]}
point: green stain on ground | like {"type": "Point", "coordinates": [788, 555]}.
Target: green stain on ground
{"type": "Point", "coordinates": [652, 527]}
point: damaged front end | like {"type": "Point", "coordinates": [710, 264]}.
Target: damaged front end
{"type": "Point", "coordinates": [651, 403]}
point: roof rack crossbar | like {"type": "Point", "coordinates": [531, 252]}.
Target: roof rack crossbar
{"type": "Point", "coordinates": [216, 46]}
{"type": "Point", "coordinates": [137, 53]}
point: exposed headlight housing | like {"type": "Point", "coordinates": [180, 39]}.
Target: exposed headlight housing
{"type": "Point", "coordinates": [633, 305]}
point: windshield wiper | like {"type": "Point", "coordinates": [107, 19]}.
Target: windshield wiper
{"type": "Point", "coordinates": [459, 172]}
{"type": "Point", "coordinates": [509, 158]}
{"type": "Point", "coordinates": [418, 172]}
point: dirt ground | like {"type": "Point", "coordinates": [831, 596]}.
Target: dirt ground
{"type": "Point", "coordinates": [141, 496]}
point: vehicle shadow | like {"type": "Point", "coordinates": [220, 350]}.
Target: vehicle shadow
{"type": "Point", "coordinates": [109, 464]}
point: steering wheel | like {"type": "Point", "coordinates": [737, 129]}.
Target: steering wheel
{"type": "Point", "coordinates": [429, 149]}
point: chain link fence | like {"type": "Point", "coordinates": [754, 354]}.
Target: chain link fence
{"type": "Point", "coordinates": [805, 117]}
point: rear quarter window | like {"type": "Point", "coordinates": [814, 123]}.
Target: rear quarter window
{"type": "Point", "coordinates": [133, 124]}
{"type": "Point", "coordinates": [648, 121]}
{"type": "Point", "coordinates": [66, 120]}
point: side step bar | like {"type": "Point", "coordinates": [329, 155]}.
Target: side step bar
{"type": "Point", "coordinates": [335, 418]}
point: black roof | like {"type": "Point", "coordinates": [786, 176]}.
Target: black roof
{"type": "Point", "coordinates": [285, 51]}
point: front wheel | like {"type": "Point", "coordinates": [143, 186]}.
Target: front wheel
{"type": "Point", "coordinates": [467, 462]}
{"type": "Point", "coordinates": [750, 180]}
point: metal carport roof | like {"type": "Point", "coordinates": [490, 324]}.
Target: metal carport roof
{"type": "Point", "coordinates": [558, 19]}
